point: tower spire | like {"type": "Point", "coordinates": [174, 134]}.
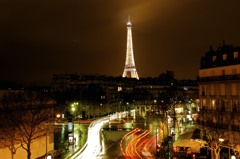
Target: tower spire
{"type": "Point", "coordinates": [130, 70]}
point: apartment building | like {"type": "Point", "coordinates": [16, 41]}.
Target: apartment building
{"type": "Point", "coordinates": [219, 91]}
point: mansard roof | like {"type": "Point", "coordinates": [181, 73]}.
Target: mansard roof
{"type": "Point", "coordinates": [222, 56]}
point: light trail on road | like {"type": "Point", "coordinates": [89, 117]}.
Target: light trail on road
{"type": "Point", "coordinates": [139, 146]}
{"type": "Point", "coordinates": [148, 143]}
{"type": "Point", "coordinates": [132, 149]}
{"type": "Point", "coordinates": [124, 137]}
{"type": "Point", "coordinates": [93, 146]}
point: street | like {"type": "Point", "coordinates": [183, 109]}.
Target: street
{"type": "Point", "coordinates": [112, 137]}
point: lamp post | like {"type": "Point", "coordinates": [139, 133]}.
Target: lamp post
{"type": "Point", "coordinates": [221, 140]}
{"type": "Point", "coordinates": [156, 125]}
{"type": "Point", "coordinates": [174, 122]}
{"type": "Point", "coordinates": [229, 149]}
{"type": "Point", "coordinates": [157, 141]}
{"type": "Point", "coordinates": [73, 108]}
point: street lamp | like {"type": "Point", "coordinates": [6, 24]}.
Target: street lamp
{"type": "Point", "coordinates": [229, 149]}
{"type": "Point", "coordinates": [221, 140]}
{"type": "Point", "coordinates": [58, 116]}
{"type": "Point", "coordinates": [157, 142]}
{"type": "Point", "coordinates": [71, 136]}
{"type": "Point", "coordinates": [73, 109]}
{"type": "Point", "coordinates": [156, 125]}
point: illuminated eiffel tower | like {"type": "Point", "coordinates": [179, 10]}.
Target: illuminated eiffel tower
{"type": "Point", "coordinates": [130, 70]}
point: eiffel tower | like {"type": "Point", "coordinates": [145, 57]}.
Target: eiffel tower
{"type": "Point", "coordinates": [130, 70]}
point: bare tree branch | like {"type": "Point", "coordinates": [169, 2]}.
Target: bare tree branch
{"type": "Point", "coordinates": [30, 114]}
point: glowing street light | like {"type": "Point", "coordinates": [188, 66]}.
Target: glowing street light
{"type": "Point", "coordinates": [221, 140]}
{"type": "Point", "coordinates": [71, 137]}
{"type": "Point", "coordinates": [73, 109]}
{"type": "Point", "coordinates": [58, 116]}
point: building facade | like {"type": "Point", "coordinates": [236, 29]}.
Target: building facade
{"type": "Point", "coordinates": [219, 92]}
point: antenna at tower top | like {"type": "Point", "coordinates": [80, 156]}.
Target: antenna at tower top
{"type": "Point", "coordinates": [129, 22]}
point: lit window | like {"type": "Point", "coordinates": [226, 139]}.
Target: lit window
{"type": "Point", "coordinates": [119, 89]}
{"type": "Point", "coordinates": [235, 55]}
{"type": "Point", "coordinates": [224, 57]}
{"type": "Point", "coordinates": [214, 59]}
{"type": "Point", "coordinates": [213, 103]}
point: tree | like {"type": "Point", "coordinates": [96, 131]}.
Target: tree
{"type": "Point", "coordinates": [236, 150]}
{"type": "Point", "coordinates": [214, 139]}
{"type": "Point", "coordinates": [31, 115]}
{"type": "Point", "coordinates": [8, 134]}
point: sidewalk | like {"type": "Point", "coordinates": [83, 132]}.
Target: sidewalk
{"type": "Point", "coordinates": [64, 148]}
{"type": "Point", "coordinates": [188, 144]}
{"type": "Point", "coordinates": [166, 150]}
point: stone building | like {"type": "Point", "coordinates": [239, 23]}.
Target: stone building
{"type": "Point", "coordinates": [219, 91]}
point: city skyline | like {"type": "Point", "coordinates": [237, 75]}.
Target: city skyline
{"type": "Point", "coordinates": [39, 39]}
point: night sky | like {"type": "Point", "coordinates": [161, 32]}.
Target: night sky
{"type": "Point", "coordinates": [39, 38]}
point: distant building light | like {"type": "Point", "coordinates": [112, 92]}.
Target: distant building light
{"type": "Point", "coordinates": [185, 88]}
{"type": "Point", "coordinates": [179, 110]}
{"type": "Point", "coordinates": [119, 89]}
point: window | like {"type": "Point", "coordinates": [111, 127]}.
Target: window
{"type": "Point", "coordinates": [234, 89]}
{"type": "Point", "coordinates": [234, 108]}
{"type": "Point", "coordinates": [214, 59]}
{"type": "Point", "coordinates": [235, 55]}
{"type": "Point", "coordinates": [223, 72]}
{"type": "Point", "coordinates": [223, 105]}
{"type": "Point", "coordinates": [213, 73]}
{"type": "Point", "coordinates": [119, 89]}
{"type": "Point", "coordinates": [234, 71]}
{"type": "Point", "coordinates": [224, 57]}
{"type": "Point", "coordinates": [213, 104]}
{"type": "Point", "coordinates": [203, 103]}
{"type": "Point", "coordinates": [212, 89]}
{"type": "Point", "coordinates": [222, 89]}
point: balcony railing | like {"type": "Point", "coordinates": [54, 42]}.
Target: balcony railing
{"type": "Point", "coordinates": [219, 78]}
{"type": "Point", "coordinates": [215, 125]}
